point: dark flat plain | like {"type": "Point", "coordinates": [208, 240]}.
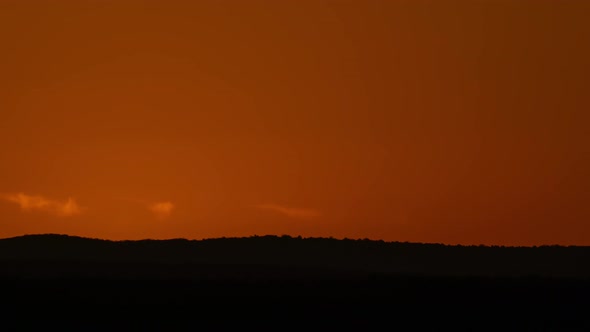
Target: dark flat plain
{"type": "Point", "coordinates": [370, 302]}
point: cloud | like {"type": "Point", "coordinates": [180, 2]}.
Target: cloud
{"type": "Point", "coordinates": [290, 212]}
{"type": "Point", "coordinates": [26, 202]}
{"type": "Point", "coordinates": [162, 210]}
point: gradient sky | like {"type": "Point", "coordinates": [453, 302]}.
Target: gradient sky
{"type": "Point", "coordinates": [425, 121]}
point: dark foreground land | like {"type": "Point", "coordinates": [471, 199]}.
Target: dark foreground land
{"type": "Point", "coordinates": [281, 283]}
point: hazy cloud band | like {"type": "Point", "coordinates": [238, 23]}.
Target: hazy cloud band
{"type": "Point", "coordinates": [26, 202]}
{"type": "Point", "coordinates": [289, 211]}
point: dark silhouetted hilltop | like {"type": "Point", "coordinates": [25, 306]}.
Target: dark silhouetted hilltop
{"type": "Point", "coordinates": [285, 281]}
{"type": "Point", "coordinates": [289, 256]}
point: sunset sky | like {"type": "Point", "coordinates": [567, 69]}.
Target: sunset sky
{"type": "Point", "coordinates": [403, 120]}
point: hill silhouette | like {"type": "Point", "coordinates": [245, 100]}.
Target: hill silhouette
{"type": "Point", "coordinates": [271, 282]}
{"type": "Point", "coordinates": [299, 256]}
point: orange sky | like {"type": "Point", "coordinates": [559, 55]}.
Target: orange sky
{"type": "Point", "coordinates": [431, 121]}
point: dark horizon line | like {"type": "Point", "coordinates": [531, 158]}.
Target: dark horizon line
{"type": "Point", "coordinates": [297, 237]}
